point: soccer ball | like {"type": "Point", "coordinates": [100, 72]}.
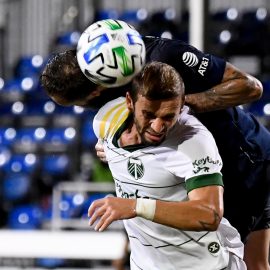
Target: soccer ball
{"type": "Point", "coordinates": [110, 53]}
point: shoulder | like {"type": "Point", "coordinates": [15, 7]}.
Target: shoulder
{"type": "Point", "coordinates": [196, 152]}
{"type": "Point", "coordinates": [164, 49]}
{"type": "Point", "coordinates": [194, 139]}
{"type": "Point", "coordinates": [110, 117]}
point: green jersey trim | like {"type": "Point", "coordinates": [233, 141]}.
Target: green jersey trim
{"type": "Point", "coordinates": [214, 179]}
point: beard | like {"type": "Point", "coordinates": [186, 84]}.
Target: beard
{"type": "Point", "coordinates": [142, 131]}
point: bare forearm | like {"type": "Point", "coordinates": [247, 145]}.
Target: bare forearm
{"type": "Point", "coordinates": [190, 215]}
{"type": "Point", "coordinates": [236, 88]}
{"type": "Point", "coordinates": [202, 212]}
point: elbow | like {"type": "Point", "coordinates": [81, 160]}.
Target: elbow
{"type": "Point", "coordinates": [214, 227]}
{"type": "Point", "coordinates": [255, 88]}
{"type": "Point", "coordinates": [215, 216]}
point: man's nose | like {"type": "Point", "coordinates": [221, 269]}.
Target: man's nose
{"type": "Point", "coordinates": [157, 125]}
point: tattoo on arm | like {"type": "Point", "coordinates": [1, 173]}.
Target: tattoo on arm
{"type": "Point", "coordinates": [216, 220]}
{"type": "Point", "coordinates": [236, 88]}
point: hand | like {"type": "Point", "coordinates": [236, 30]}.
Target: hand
{"type": "Point", "coordinates": [110, 209]}
{"type": "Point", "coordinates": [100, 151]}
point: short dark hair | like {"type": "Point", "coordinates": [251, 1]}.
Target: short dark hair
{"type": "Point", "coordinates": [157, 81]}
{"type": "Point", "coordinates": [63, 77]}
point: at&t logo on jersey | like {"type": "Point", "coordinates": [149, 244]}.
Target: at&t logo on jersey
{"type": "Point", "coordinates": [191, 60]}
{"type": "Point", "coordinates": [135, 168]}
{"type": "Point", "coordinates": [203, 66]}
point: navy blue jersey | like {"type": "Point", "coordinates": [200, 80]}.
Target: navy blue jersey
{"type": "Point", "coordinates": [200, 72]}
{"type": "Point", "coordinates": [243, 143]}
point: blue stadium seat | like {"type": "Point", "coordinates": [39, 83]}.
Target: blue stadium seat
{"type": "Point", "coordinates": [7, 135]}
{"type": "Point", "coordinates": [72, 205]}
{"type": "Point", "coordinates": [21, 163]}
{"type": "Point", "coordinates": [5, 108]}
{"type": "Point", "coordinates": [45, 106]}
{"type": "Point", "coordinates": [11, 91]}
{"type": "Point", "coordinates": [29, 65]}
{"type": "Point", "coordinates": [222, 29]}
{"type": "Point", "coordinates": [106, 14]}
{"type": "Point", "coordinates": [251, 34]}
{"type": "Point", "coordinates": [31, 135]}
{"type": "Point", "coordinates": [134, 17]}
{"type": "Point", "coordinates": [65, 135]}
{"type": "Point", "coordinates": [225, 15]}
{"type": "Point", "coordinates": [88, 136]}
{"type": "Point", "coordinates": [16, 186]}
{"type": "Point", "coordinates": [41, 107]}
{"type": "Point", "coordinates": [255, 15]}
{"type": "Point", "coordinates": [162, 24]}
{"type": "Point", "coordinates": [5, 155]}
{"type": "Point", "coordinates": [57, 164]}
{"type": "Point", "coordinates": [39, 95]}
{"type": "Point", "coordinates": [26, 217]}
{"type": "Point", "coordinates": [68, 38]}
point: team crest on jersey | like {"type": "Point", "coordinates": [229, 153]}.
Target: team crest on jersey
{"type": "Point", "coordinates": [135, 168]}
{"type": "Point", "coordinates": [213, 247]}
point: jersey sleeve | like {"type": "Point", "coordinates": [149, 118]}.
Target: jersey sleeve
{"type": "Point", "coordinates": [206, 161]}
{"type": "Point", "coordinates": [197, 153]}
{"type": "Point", "coordinates": [200, 71]}
{"type": "Point", "coordinates": [109, 118]}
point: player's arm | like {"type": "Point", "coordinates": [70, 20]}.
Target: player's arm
{"type": "Point", "coordinates": [202, 212]}
{"type": "Point", "coordinates": [236, 88]}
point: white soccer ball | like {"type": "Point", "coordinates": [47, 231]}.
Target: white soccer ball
{"type": "Point", "coordinates": [110, 53]}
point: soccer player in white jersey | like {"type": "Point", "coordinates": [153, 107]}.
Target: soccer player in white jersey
{"type": "Point", "coordinates": [166, 168]}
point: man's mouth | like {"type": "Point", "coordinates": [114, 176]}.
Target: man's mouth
{"type": "Point", "coordinates": [154, 136]}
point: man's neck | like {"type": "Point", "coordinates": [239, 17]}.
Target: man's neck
{"type": "Point", "coordinates": [129, 137]}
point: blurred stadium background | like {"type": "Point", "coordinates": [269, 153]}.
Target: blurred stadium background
{"type": "Point", "coordinates": [48, 170]}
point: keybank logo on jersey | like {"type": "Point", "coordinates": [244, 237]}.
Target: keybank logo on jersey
{"type": "Point", "coordinates": [190, 59]}
{"type": "Point", "coordinates": [135, 168]}
{"type": "Point", "coordinates": [203, 164]}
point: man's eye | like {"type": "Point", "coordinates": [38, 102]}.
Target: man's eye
{"type": "Point", "coordinates": [148, 115]}
{"type": "Point", "coordinates": [169, 117]}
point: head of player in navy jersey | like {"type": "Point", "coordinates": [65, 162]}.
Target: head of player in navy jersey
{"type": "Point", "coordinates": [64, 82]}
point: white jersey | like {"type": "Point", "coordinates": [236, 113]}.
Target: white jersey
{"type": "Point", "coordinates": [187, 159]}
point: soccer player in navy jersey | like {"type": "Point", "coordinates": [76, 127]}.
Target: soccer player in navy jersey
{"type": "Point", "coordinates": [214, 88]}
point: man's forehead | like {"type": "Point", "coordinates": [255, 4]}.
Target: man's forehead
{"type": "Point", "coordinates": [146, 101]}
{"type": "Point", "coordinates": [164, 106]}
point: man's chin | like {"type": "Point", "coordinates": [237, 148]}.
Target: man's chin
{"type": "Point", "coordinates": [153, 142]}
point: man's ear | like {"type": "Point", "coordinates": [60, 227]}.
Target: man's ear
{"type": "Point", "coordinates": [129, 102]}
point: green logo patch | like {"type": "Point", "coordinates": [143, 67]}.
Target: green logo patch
{"type": "Point", "coordinates": [135, 168]}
